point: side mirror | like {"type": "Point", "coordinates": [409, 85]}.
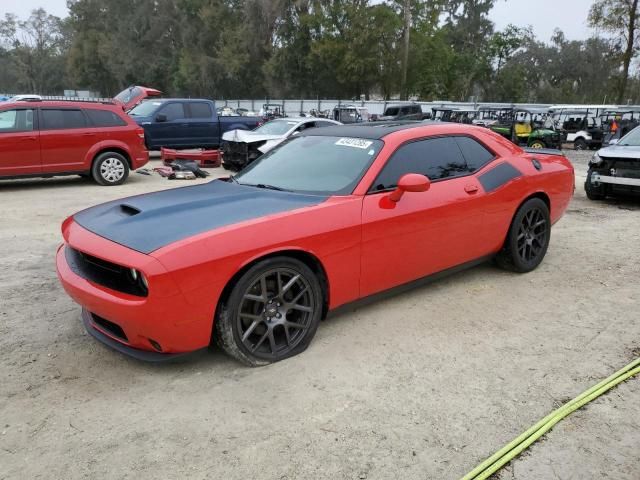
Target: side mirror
{"type": "Point", "coordinates": [411, 182]}
{"type": "Point", "coordinates": [613, 141]}
{"type": "Point", "coordinates": [161, 117]}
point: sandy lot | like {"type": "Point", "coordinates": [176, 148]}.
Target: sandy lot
{"type": "Point", "coordinates": [421, 386]}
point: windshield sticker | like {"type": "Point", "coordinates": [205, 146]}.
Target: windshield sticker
{"type": "Point", "coordinates": [354, 143]}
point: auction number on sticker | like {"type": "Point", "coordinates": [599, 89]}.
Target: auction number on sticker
{"type": "Point", "coordinates": [354, 142]}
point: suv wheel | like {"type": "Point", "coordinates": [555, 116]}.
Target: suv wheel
{"type": "Point", "coordinates": [110, 168]}
{"type": "Point", "coordinates": [593, 192]}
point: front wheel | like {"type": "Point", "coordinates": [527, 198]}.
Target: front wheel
{"type": "Point", "coordinates": [272, 313]}
{"type": "Point", "coordinates": [593, 192]}
{"type": "Point", "coordinates": [528, 238]}
{"type": "Point", "coordinates": [110, 168]}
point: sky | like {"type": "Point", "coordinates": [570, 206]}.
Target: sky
{"type": "Point", "coordinates": [543, 15]}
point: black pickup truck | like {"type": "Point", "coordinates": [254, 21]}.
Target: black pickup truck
{"type": "Point", "coordinates": [186, 123]}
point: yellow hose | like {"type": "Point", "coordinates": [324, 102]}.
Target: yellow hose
{"type": "Point", "coordinates": [515, 447]}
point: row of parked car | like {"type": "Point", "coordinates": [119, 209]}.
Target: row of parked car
{"type": "Point", "coordinates": [104, 140]}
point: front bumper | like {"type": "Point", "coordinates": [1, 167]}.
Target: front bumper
{"type": "Point", "coordinates": [144, 355]}
{"type": "Point", "coordinates": [164, 322]}
{"type": "Point", "coordinates": [597, 179]}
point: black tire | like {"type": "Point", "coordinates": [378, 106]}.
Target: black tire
{"type": "Point", "coordinates": [110, 168]}
{"type": "Point", "coordinates": [593, 192]}
{"type": "Point", "coordinates": [580, 144]}
{"type": "Point", "coordinates": [528, 238]}
{"type": "Point", "coordinates": [272, 313]}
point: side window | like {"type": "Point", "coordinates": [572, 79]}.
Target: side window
{"type": "Point", "coordinates": [475, 154]}
{"type": "Point", "coordinates": [104, 118]}
{"type": "Point", "coordinates": [200, 110]}
{"type": "Point", "coordinates": [437, 158]}
{"type": "Point", "coordinates": [12, 121]}
{"type": "Point", "coordinates": [322, 123]}
{"type": "Point", "coordinates": [173, 111]}
{"type": "Point", "coordinates": [62, 119]}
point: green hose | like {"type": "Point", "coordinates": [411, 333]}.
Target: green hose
{"type": "Point", "coordinates": [514, 448]}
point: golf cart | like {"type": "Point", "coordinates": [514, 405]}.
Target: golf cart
{"type": "Point", "coordinates": [529, 127]}
{"type": "Point", "coordinates": [269, 111]}
{"type": "Point", "coordinates": [455, 115]}
{"type": "Point", "coordinates": [488, 116]}
{"type": "Point", "coordinates": [580, 124]}
{"type": "Point", "coordinates": [350, 114]}
{"type": "Point", "coordinates": [616, 123]}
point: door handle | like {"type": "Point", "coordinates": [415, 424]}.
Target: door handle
{"type": "Point", "coordinates": [88, 134]}
{"type": "Point", "coordinates": [26, 139]}
{"type": "Point", "coordinates": [470, 188]}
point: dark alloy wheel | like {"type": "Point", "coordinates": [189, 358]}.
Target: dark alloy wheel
{"type": "Point", "coordinates": [528, 237]}
{"type": "Point", "coordinates": [272, 313]}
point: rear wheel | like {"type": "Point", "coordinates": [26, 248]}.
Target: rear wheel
{"type": "Point", "coordinates": [593, 192]}
{"type": "Point", "coordinates": [528, 237]}
{"type": "Point", "coordinates": [580, 144]}
{"type": "Point", "coordinates": [272, 312]}
{"type": "Point", "coordinates": [537, 144]}
{"type": "Point", "coordinates": [110, 168]}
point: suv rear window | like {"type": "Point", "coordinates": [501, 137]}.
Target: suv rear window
{"type": "Point", "coordinates": [53, 119]}
{"type": "Point", "coordinates": [104, 118]}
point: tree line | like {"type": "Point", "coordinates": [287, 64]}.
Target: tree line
{"type": "Point", "coordinates": [425, 49]}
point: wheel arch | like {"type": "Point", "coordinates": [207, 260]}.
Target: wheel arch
{"type": "Point", "coordinates": [539, 194]}
{"type": "Point", "coordinates": [309, 259]}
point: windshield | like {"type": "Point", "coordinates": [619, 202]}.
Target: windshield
{"type": "Point", "coordinates": [631, 139]}
{"type": "Point", "coordinates": [277, 127]}
{"type": "Point", "coordinates": [145, 109]}
{"type": "Point", "coordinates": [314, 164]}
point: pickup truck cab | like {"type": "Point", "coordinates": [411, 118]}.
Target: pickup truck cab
{"type": "Point", "coordinates": [186, 123]}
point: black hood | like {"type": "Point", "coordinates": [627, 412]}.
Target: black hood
{"type": "Point", "coordinates": [148, 222]}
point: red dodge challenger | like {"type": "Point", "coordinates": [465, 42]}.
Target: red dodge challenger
{"type": "Point", "coordinates": [331, 216]}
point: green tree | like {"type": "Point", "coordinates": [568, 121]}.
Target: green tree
{"type": "Point", "coordinates": [619, 18]}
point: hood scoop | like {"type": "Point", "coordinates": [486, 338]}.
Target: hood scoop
{"type": "Point", "coordinates": [128, 210]}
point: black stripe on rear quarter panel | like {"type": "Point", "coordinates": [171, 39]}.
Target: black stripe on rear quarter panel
{"type": "Point", "coordinates": [498, 176]}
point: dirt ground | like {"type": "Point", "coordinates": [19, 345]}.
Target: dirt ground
{"type": "Point", "coordinates": [423, 385]}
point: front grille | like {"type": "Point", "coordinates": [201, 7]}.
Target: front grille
{"type": "Point", "coordinates": [102, 272]}
{"type": "Point", "coordinates": [624, 167]}
{"type": "Point", "coordinates": [113, 328]}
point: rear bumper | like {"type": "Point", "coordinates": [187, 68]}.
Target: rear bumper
{"type": "Point", "coordinates": [140, 159]}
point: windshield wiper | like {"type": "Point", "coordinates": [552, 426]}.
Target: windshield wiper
{"type": "Point", "coordinates": [267, 187]}
{"type": "Point", "coordinates": [271, 187]}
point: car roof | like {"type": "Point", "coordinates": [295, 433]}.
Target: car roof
{"type": "Point", "coordinates": [371, 130]}
{"type": "Point", "coordinates": [61, 103]}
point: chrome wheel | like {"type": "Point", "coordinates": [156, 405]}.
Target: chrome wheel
{"type": "Point", "coordinates": [112, 169]}
{"type": "Point", "coordinates": [275, 313]}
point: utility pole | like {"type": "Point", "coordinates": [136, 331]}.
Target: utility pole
{"type": "Point", "coordinates": [405, 53]}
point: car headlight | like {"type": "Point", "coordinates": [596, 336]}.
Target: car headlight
{"type": "Point", "coordinates": [138, 277]}
{"type": "Point", "coordinates": [595, 160]}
